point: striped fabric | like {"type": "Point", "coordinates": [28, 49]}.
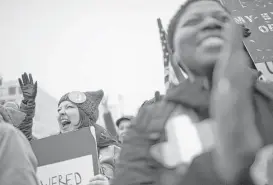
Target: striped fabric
{"type": "Point", "coordinates": [172, 73]}
{"type": "Point", "coordinates": [166, 57]}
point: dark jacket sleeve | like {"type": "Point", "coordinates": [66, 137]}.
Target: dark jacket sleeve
{"type": "Point", "coordinates": [136, 165]}
{"type": "Point", "coordinates": [132, 167]}
{"type": "Point", "coordinates": [109, 124]}
{"type": "Point", "coordinates": [27, 107]}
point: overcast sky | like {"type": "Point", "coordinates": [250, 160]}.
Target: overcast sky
{"type": "Point", "coordinates": [86, 45]}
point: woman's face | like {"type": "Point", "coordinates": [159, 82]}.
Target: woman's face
{"type": "Point", "coordinates": [200, 35]}
{"type": "Point", "coordinates": [69, 117]}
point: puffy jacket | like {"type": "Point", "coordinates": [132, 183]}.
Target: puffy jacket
{"type": "Point", "coordinates": [110, 125]}
{"type": "Point", "coordinates": [17, 160]}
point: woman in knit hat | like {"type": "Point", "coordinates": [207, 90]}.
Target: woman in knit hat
{"type": "Point", "coordinates": [80, 109]}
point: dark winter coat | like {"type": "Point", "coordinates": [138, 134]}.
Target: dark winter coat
{"type": "Point", "coordinates": [138, 167]}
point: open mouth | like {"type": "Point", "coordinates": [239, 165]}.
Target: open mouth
{"type": "Point", "coordinates": [210, 36]}
{"type": "Point", "coordinates": [211, 41]}
{"type": "Point", "coordinates": [65, 122]}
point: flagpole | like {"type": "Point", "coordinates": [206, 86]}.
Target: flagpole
{"type": "Point", "coordinates": [165, 54]}
{"type": "Point", "coordinates": [169, 65]}
{"type": "Point", "coordinates": [121, 104]}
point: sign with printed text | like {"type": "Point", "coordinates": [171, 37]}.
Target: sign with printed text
{"type": "Point", "coordinates": [73, 172]}
{"type": "Point", "coordinates": [69, 158]}
{"type": "Point", "coordinates": [257, 15]}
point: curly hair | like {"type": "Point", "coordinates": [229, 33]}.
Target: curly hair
{"type": "Point", "coordinates": [175, 20]}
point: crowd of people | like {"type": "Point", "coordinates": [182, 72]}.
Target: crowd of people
{"type": "Point", "coordinates": [223, 92]}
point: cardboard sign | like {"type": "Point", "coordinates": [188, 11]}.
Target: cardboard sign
{"type": "Point", "coordinates": [257, 15]}
{"type": "Point", "coordinates": [69, 158]}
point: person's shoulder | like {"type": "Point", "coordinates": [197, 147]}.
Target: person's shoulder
{"type": "Point", "coordinates": [7, 128]}
{"type": "Point", "coordinates": [11, 133]}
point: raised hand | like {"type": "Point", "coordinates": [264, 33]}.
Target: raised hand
{"type": "Point", "coordinates": [29, 89]}
{"type": "Point", "coordinates": [233, 59]}
{"type": "Point", "coordinates": [105, 104]}
{"type": "Point", "coordinates": [232, 110]}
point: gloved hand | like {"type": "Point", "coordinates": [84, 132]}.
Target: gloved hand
{"type": "Point", "coordinates": [29, 89]}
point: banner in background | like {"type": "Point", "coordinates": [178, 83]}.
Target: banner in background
{"type": "Point", "coordinates": [257, 15]}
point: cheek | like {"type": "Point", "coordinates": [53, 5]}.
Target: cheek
{"type": "Point", "coordinates": [185, 43]}
{"type": "Point", "coordinates": [76, 120]}
{"type": "Point", "coordinates": [59, 119]}
{"type": "Point", "coordinates": [185, 36]}
{"type": "Point", "coordinates": [121, 130]}
{"type": "Point", "coordinates": [126, 128]}
{"type": "Point", "coordinates": [228, 28]}
{"type": "Point", "coordinates": [74, 117]}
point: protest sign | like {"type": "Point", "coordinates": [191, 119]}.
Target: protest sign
{"type": "Point", "coordinates": [257, 15]}
{"type": "Point", "coordinates": [74, 171]}
{"type": "Point", "coordinates": [69, 158]}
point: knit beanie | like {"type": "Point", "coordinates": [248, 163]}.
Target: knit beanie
{"type": "Point", "coordinates": [87, 103]}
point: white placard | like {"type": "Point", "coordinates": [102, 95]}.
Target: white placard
{"type": "Point", "coordinates": [182, 133]}
{"type": "Point", "coordinates": [76, 171]}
